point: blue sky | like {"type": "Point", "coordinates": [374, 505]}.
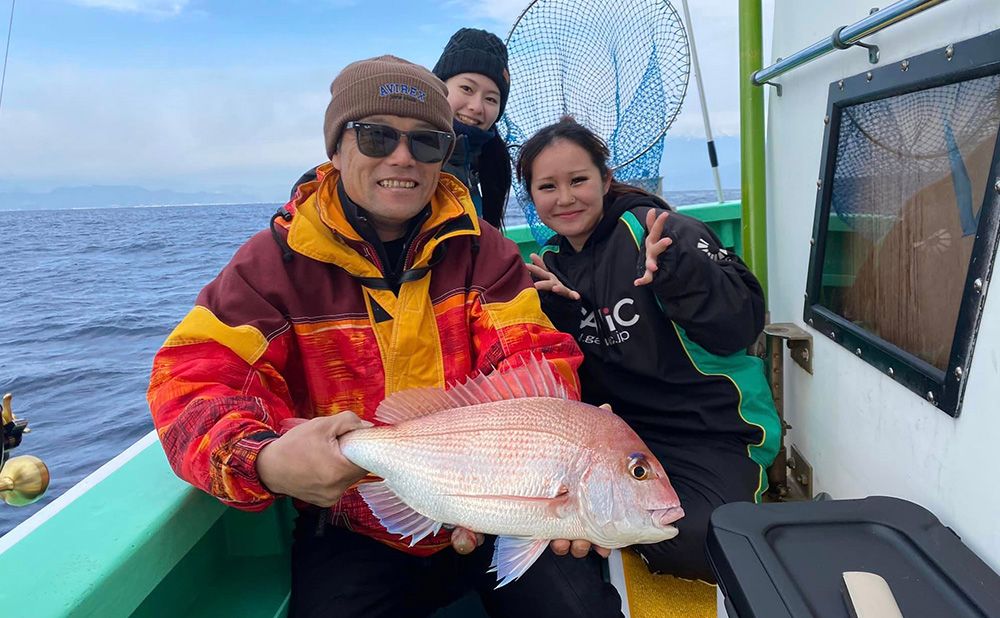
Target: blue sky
{"type": "Point", "coordinates": [208, 95]}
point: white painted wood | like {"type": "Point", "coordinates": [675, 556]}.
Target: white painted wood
{"type": "Point", "coordinates": [863, 433]}
{"type": "Point", "coordinates": [616, 573]}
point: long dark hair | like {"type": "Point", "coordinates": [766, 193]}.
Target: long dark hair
{"type": "Point", "coordinates": [569, 129]}
{"type": "Point", "coordinates": [494, 180]}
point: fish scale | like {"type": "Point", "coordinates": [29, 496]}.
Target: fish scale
{"type": "Point", "coordinates": [520, 457]}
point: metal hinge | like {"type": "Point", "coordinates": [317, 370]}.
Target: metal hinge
{"type": "Point", "coordinates": [800, 342]}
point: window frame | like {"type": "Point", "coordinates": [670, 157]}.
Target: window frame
{"type": "Point", "coordinates": [967, 60]}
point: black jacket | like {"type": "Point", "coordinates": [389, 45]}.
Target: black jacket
{"type": "Point", "coordinates": [463, 164]}
{"type": "Point", "coordinates": [670, 356]}
{"type": "Point", "coordinates": [486, 172]}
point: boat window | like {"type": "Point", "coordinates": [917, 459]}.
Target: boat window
{"type": "Point", "coordinates": [905, 231]}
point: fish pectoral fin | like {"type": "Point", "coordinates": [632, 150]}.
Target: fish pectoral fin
{"type": "Point", "coordinates": [513, 555]}
{"type": "Point", "coordinates": [561, 504]}
{"type": "Point", "coordinates": [397, 516]}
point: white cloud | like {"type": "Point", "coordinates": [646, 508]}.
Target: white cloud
{"type": "Point", "coordinates": [158, 8]}
{"type": "Point", "coordinates": [716, 30]}
{"type": "Point", "coordinates": [257, 127]}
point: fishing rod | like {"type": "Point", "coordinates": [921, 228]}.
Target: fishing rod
{"type": "Point", "coordinates": [6, 53]}
{"type": "Point", "coordinates": [712, 156]}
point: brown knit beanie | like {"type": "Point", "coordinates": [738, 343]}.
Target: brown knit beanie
{"type": "Point", "coordinates": [385, 85]}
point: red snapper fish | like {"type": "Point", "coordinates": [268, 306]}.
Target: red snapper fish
{"type": "Point", "coordinates": [509, 454]}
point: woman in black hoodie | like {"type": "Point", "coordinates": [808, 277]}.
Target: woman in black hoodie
{"type": "Point", "coordinates": [663, 315]}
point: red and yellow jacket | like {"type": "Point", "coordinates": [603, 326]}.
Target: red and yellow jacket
{"type": "Point", "coordinates": [269, 340]}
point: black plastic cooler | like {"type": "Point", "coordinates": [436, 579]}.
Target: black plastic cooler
{"type": "Point", "coordinates": [787, 559]}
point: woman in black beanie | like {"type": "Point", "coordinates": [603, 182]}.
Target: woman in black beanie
{"type": "Point", "coordinates": [474, 67]}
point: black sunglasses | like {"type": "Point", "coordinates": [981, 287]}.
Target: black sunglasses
{"type": "Point", "coordinates": [379, 140]}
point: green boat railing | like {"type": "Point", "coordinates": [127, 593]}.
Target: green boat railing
{"type": "Point", "coordinates": [723, 218]}
{"type": "Point", "coordinates": [134, 540]}
{"type": "Point", "coordinates": [139, 541]}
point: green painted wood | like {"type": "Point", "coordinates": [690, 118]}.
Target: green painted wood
{"type": "Point", "coordinates": [240, 567]}
{"type": "Point", "coordinates": [713, 211]}
{"type": "Point", "coordinates": [105, 551]}
{"type": "Point", "coordinates": [521, 234]}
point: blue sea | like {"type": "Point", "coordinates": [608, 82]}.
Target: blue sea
{"type": "Point", "coordinates": [87, 297]}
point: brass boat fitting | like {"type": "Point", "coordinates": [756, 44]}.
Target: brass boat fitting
{"type": "Point", "coordinates": [6, 413]}
{"type": "Point", "coordinates": [23, 480]}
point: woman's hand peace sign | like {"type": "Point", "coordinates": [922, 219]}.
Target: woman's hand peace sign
{"type": "Point", "coordinates": [655, 245]}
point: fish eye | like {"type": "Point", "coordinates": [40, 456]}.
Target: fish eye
{"type": "Point", "coordinates": [638, 467]}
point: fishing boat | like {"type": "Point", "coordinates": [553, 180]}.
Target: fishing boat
{"type": "Point", "coordinates": [869, 211]}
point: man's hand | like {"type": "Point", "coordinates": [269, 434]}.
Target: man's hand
{"type": "Point", "coordinates": [547, 282]}
{"type": "Point", "coordinates": [306, 462]}
{"type": "Point", "coordinates": [464, 541]}
{"type": "Point", "coordinates": [579, 549]}
{"type": "Point", "coordinates": [655, 245]}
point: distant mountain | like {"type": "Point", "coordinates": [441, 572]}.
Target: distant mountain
{"type": "Point", "coordinates": [684, 169]}
{"type": "Point", "coordinates": [112, 196]}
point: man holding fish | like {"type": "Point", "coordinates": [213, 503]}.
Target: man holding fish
{"type": "Point", "coordinates": [315, 365]}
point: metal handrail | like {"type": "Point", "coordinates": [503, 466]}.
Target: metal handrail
{"type": "Point", "coordinates": [846, 36]}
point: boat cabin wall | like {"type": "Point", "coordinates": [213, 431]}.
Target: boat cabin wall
{"type": "Point", "coordinates": [864, 433]}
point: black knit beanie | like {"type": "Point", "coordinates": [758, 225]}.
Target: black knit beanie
{"type": "Point", "coordinates": [476, 51]}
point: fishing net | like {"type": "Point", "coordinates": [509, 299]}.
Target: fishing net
{"type": "Point", "coordinates": [891, 149]}
{"type": "Point", "coordinates": [619, 68]}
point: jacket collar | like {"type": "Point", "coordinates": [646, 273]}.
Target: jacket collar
{"type": "Point", "coordinates": [321, 230]}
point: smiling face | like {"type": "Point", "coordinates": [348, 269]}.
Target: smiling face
{"type": "Point", "coordinates": [568, 191]}
{"type": "Point", "coordinates": [392, 189]}
{"type": "Point", "coordinates": [475, 99]}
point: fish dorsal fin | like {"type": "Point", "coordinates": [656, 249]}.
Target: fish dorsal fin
{"type": "Point", "coordinates": [513, 555]}
{"type": "Point", "coordinates": [396, 515]}
{"type": "Point", "coordinates": [413, 403]}
{"type": "Point", "coordinates": [533, 378]}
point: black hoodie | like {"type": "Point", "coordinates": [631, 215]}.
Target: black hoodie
{"type": "Point", "coordinates": [670, 356]}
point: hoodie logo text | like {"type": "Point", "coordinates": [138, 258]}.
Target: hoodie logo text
{"type": "Point", "coordinates": [617, 319]}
